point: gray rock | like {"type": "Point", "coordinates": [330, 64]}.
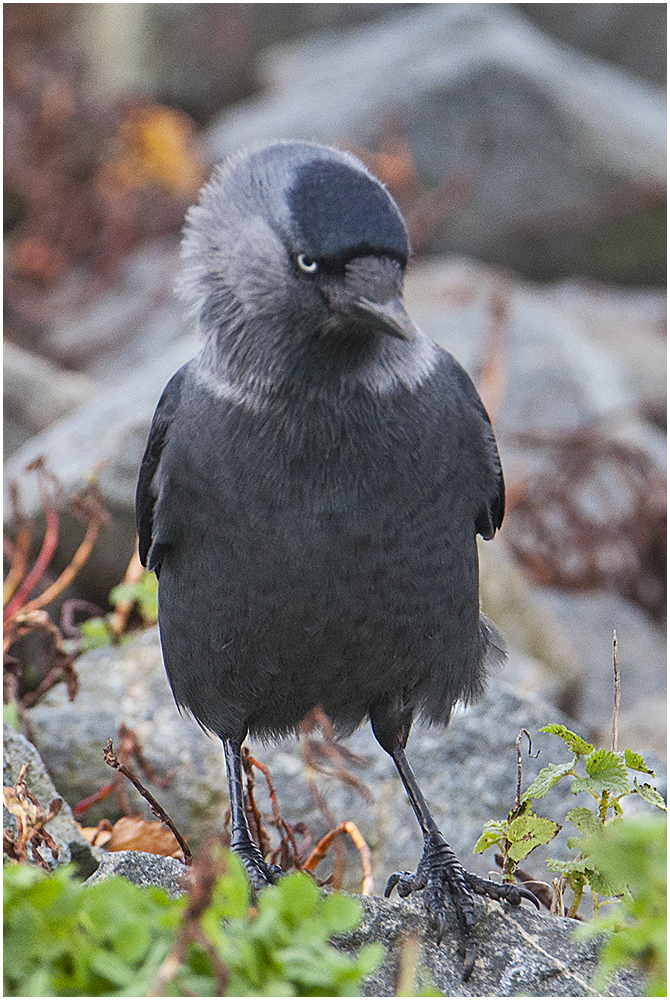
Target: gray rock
{"type": "Point", "coordinates": [36, 393]}
{"type": "Point", "coordinates": [108, 436]}
{"type": "Point", "coordinates": [629, 34]}
{"type": "Point", "coordinates": [72, 846]}
{"type": "Point", "coordinates": [128, 684]}
{"type": "Point", "coordinates": [521, 952]}
{"type": "Point", "coordinates": [529, 130]}
{"type": "Point", "coordinates": [141, 869]}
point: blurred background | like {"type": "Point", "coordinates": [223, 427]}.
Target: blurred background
{"type": "Point", "coordinates": [525, 144]}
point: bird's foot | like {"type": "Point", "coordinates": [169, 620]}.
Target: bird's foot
{"type": "Point", "coordinates": [439, 873]}
{"type": "Point", "coordinates": [259, 872]}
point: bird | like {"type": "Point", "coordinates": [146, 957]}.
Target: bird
{"type": "Point", "coordinates": [312, 488]}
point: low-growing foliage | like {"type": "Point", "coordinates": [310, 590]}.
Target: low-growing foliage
{"type": "Point", "coordinates": [618, 860]}
{"type": "Point", "coordinates": [116, 939]}
{"type": "Point", "coordinates": [632, 857]}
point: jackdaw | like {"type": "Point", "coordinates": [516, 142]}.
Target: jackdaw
{"type": "Point", "coordinates": [312, 489]}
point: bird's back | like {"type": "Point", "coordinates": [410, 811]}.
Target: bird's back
{"type": "Point", "coordinates": [337, 537]}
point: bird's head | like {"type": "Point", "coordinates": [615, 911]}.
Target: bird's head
{"type": "Point", "coordinates": [294, 265]}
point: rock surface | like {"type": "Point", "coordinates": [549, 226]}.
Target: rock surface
{"type": "Point", "coordinates": [529, 138]}
{"type": "Point", "coordinates": [521, 952]}
{"type": "Point", "coordinates": [141, 869]}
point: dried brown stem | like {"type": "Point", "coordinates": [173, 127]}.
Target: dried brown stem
{"type": "Point", "coordinates": [119, 619]}
{"type": "Point", "coordinates": [617, 693]}
{"type": "Point", "coordinates": [285, 831]}
{"type": "Point", "coordinates": [20, 549]}
{"type": "Point", "coordinates": [156, 808]}
{"type": "Point", "coordinates": [81, 807]}
{"type": "Point", "coordinates": [321, 849]}
{"type": "Point", "coordinates": [49, 543]}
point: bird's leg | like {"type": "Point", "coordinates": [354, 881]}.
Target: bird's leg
{"type": "Point", "coordinates": [440, 872]}
{"type": "Point", "coordinates": [259, 871]}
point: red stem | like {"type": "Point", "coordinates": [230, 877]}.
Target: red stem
{"type": "Point", "coordinates": [39, 569]}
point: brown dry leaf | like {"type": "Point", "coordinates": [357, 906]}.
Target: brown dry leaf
{"type": "Point", "coordinates": [97, 836]}
{"type": "Point", "coordinates": [30, 822]}
{"type": "Point", "coordinates": [132, 833]}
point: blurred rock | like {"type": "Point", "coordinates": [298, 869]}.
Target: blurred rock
{"type": "Point", "coordinates": [37, 393]}
{"type": "Point", "coordinates": [632, 35]}
{"type": "Point", "coordinates": [72, 847]}
{"type": "Point", "coordinates": [107, 436]}
{"type": "Point", "coordinates": [467, 773]}
{"type": "Point", "coordinates": [585, 468]}
{"type": "Point", "coordinates": [529, 154]}
{"type": "Point", "coordinates": [199, 57]}
{"type": "Point", "coordinates": [590, 619]}
{"type": "Point", "coordinates": [128, 323]}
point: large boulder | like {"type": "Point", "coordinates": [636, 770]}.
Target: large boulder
{"type": "Point", "coordinates": [539, 152]}
{"type": "Point", "coordinates": [520, 953]}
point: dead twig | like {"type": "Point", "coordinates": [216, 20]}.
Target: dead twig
{"type": "Point", "coordinates": [17, 552]}
{"type": "Point", "coordinates": [517, 743]}
{"type": "Point", "coordinates": [288, 858]}
{"type": "Point", "coordinates": [617, 693]}
{"type": "Point", "coordinates": [156, 808]}
{"type": "Point", "coordinates": [31, 820]}
{"type": "Point", "coordinates": [321, 849]}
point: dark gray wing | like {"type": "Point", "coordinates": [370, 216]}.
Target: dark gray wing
{"type": "Point", "coordinates": [145, 499]}
{"type": "Point", "coordinates": [490, 515]}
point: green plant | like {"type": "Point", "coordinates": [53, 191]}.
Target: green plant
{"type": "Point", "coordinates": [97, 632]}
{"type": "Point", "coordinates": [116, 939]}
{"type": "Point", "coordinates": [63, 940]}
{"type": "Point", "coordinates": [606, 775]}
{"type": "Point", "coordinates": [632, 857]}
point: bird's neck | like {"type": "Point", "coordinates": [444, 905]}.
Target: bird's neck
{"type": "Point", "coordinates": [262, 370]}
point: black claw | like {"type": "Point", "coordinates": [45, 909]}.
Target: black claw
{"type": "Point", "coordinates": [441, 874]}
{"type": "Point", "coordinates": [392, 883]}
{"type": "Point", "coordinates": [440, 925]}
{"type": "Point", "coordinates": [469, 960]}
{"type": "Point", "coordinates": [527, 894]}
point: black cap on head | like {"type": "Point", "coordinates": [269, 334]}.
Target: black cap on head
{"type": "Point", "coordinates": [342, 212]}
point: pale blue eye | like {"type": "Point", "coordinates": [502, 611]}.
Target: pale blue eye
{"type": "Point", "coordinates": [306, 263]}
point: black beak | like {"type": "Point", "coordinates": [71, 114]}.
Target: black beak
{"type": "Point", "coordinates": [388, 317]}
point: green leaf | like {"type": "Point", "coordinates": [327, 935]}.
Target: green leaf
{"type": "Point", "coordinates": [585, 821]}
{"type": "Point", "coordinates": [546, 780]}
{"type": "Point", "coordinates": [636, 762]}
{"type": "Point", "coordinates": [651, 795]}
{"type": "Point", "coordinates": [572, 741]}
{"type": "Point", "coordinates": [527, 832]}
{"type": "Point", "coordinates": [341, 914]}
{"type": "Point", "coordinates": [144, 593]}
{"type": "Point", "coordinates": [494, 832]}
{"type": "Point", "coordinates": [95, 633]}
{"type": "Point", "coordinates": [10, 715]}
{"type": "Point", "coordinates": [605, 772]}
